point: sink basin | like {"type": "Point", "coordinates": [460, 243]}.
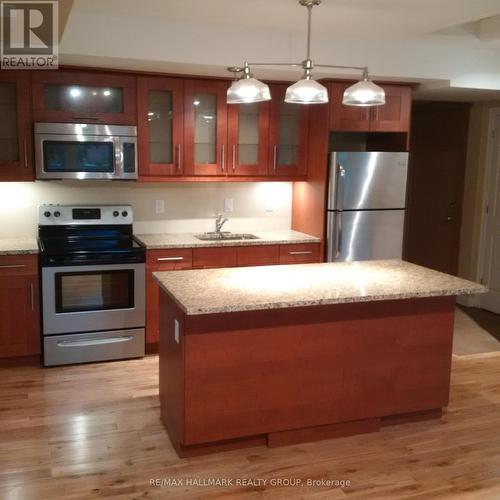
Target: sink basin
{"type": "Point", "coordinates": [225, 236]}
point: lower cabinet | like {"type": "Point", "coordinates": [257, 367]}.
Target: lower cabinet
{"type": "Point", "coordinates": [214, 257]}
{"type": "Point", "coordinates": [19, 306]}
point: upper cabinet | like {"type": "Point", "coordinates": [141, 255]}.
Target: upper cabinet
{"type": "Point", "coordinates": [61, 96]}
{"type": "Point", "coordinates": [393, 116]}
{"type": "Point", "coordinates": [288, 133]}
{"type": "Point", "coordinates": [15, 127]}
{"type": "Point", "coordinates": [160, 126]}
{"type": "Point", "coordinates": [248, 139]}
{"type": "Point", "coordinates": [205, 127]}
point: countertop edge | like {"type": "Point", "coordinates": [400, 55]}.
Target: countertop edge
{"type": "Point", "coordinates": [19, 252]}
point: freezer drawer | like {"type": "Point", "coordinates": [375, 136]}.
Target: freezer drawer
{"type": "Point", "coordinates": [92, 347]}
{"type": "Point", "coordinates": [373, 180]}
{"type": "Point", "coordinates": [365, 235]}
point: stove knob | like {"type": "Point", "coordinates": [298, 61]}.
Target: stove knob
{"type": "Point", "coordinates": [116, 213]}
{"type": "Point", "coordinates": [47, 214]}
{"type": "Point", "coordinates": [57, 213]}
{"type": "Point", "coordinates": [124, 213]}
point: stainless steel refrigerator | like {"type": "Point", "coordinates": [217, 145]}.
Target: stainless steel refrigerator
{"type": "Point", "coordinates": [366, 205]}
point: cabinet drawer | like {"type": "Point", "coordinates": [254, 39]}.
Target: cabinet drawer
{"type": "Point", "coordinates": [206, 258]}
{"type": "Point", "coordinates": [18, 265]}
{"type": "Point", "coordinates": [301, 253]}
{"type": "Point", "coordinates": [169, 260]}
{"type": "Point", "coordinates": [265, 255]}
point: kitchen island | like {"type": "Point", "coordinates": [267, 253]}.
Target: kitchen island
{"type": "Point", "coordinates": [279, 355]}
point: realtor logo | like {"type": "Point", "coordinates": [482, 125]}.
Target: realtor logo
{"type": "Point", "coordinates": [29, 35]}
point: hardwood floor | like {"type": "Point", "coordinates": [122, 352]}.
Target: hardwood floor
{"type": "Point", "coordinates": [93, 431]}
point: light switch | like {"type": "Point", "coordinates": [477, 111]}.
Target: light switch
{"type": "Point", "coordinates": [269, 206]}
{"type": "Point", "coordinates": [176, 331]}
{"type": "Point", "coordinates": [228, 205]}
{"type": "Point", "coordinates": [159, 207]}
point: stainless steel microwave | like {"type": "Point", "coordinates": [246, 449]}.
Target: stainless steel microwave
{"type": "Point", "coordinates": [85, 151]}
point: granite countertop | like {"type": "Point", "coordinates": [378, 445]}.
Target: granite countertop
{"type": "Point", "coordinates": [188, 240]}
{"type": "Point", "coordinates": [212, 291]}
{"type": "Point", "coordinates": [18, 246]}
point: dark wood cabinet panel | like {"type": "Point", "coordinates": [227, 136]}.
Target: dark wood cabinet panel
{"type": "Point", "coordinates": [248, 139]}
{"type": "Point", "coordinates": [288, 134]}
{"type": "Point", "coordinates": [205, 258]}
{"type": "Point", "coordinates": [394, 115]}
{"type": "Point", "coordinates": [19, 307]}
{"type": "Point", "coordinates": [301, 253]}
{"type": "Point", "coordinates": [160, 126]}
{"type": "Point", "coordinates": [84, 97]}
{"type": "Point", "coordinates": [16, 159]}
{"type": "Point", "coordinates": [346, 118]}
{"type": "Point", "coordinates": [264, 255]}
{"type": "Point", "coordinates": [205, 127]}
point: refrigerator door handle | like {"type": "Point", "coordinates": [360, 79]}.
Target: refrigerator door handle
{"type": "Point", "coordinates": [339, 195]}
{"type": "Point", "coordinates": [338, 234]}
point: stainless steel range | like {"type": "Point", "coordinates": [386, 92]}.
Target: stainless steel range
{"type": "Point", "coordinates": [93, 284]}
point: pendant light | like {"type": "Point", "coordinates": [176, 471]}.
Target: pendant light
{"type": "Point", "coordinates": [364, 93]}
{"type": "Point", "coordinates": [247, 89]}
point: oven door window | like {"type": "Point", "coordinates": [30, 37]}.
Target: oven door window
{"type": "Point", "coordinates": [94, 291]}
{"type": "Point", "coordinates": [77, 156]}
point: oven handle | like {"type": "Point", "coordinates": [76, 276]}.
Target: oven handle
{"type": "Point", "coordinates": [86, 343]}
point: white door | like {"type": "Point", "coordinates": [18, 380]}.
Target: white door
{"type": "Point", "coordinates": [491, 300]}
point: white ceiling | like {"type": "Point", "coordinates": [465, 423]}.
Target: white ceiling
{"type": "Point", "coordinates": [417, 40]}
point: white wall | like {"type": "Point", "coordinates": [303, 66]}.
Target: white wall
{"type": "Point", "coordinates": [188, 207]}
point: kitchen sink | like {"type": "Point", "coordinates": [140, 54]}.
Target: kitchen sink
{"type": "Point", "coordinates": [225, 236]}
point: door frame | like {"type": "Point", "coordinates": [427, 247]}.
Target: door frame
{"type": "Point", "coordinates": [485, 200]}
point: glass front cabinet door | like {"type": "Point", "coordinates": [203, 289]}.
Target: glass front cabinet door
{"type": "Point", "coordinates": [15, 130]}
{"type": "Point", "coordinates": [61, 96]}
{"type": "Point", "coordinates": [160, 126]}
{"type": "Point", "coordinates": [288, 135]}
{"type": "Point", "coordinates": [248, 139]}
{"type": "Point", "coordinates": [205, 127]}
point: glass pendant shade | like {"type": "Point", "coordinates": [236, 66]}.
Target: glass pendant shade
{"type": "Point", "coordinates": [364, 93]}
{"type": "Point", "coordinates": [306, 91]}
{"type": "Point", "coordinates": [247, 90]}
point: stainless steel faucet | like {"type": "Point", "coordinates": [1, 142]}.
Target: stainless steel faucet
{"type": "Point", "coordinates": [219, 222]}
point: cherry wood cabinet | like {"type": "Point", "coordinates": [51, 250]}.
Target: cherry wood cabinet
{"type": "Point", "coordinates": [84, 97]}
{"type": "Point", "coordinates": [205, 127]}
{"type": "Point", "coordinates": [19, 306]}
{"type": "Point", "coordinates": [15, 127]}
{"type": "Point", "coordinates": [301, 253]}
{"type": "Point", "coordinates": [248, 139]}
{"type": "Point", "coordinates": [288, 134]}
{"type": "Point", "coordinates": [160, 126]}
{"type": "Point", "coordinates": [211, 257]}
{"type": "Point", "coordinates": [393, 116]}
{"type": "Point", "coordinates": [161, 260]}
{"type": "Point", "coordinates": [264, 255]}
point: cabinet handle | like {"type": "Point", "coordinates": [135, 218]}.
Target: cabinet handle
{"type": "Point", "coordinates": [234, 157]}
{"type": "Point", "coordinates": [12, 266]}
{"type": "Point", "coordinates": [32, 289]}
{"type": "Point", "coordinates": [179, 157]}
{"type": "Point", "coordinates": [304, 252]}
{"type": "Point", "coordinates": [275, 157]}
{"type": "Point", "coordinates": [161, 259]}
{"type": "Point", "coordinates": [91, 118]}
{"type": "Point", "coordinates": [223, 157]}
{"type": "Point", "coordinates": [25, 151]}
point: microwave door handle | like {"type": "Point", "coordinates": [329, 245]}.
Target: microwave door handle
{"type": "Point", "coordinates": [118, 147]}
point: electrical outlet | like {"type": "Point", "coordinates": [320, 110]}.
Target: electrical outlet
{"type": "Point", "coordinates": [228, 205]}
{"type": "Point", "coordinates": [159, 207]}
{"type": "Point", "coordinates": [269, 206]}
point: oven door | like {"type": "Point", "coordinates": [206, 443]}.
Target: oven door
{"type": "Point", "coordinates": [78, 156]}
{"type": "Point", "coordinates": [93, 298]}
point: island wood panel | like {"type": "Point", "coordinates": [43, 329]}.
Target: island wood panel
{"type": "Point", "coordinates": [160, 260]}
{"type": "Point", "coordinates": [258, 255]}
{"type": "Point", "coordinates": [248, 373]}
